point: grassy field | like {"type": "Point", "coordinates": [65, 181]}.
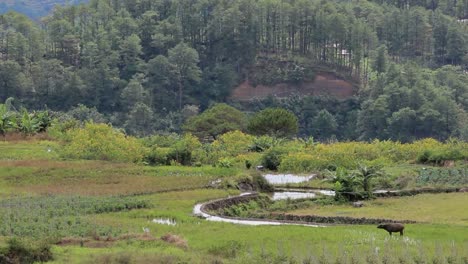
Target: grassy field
{"type": "Point", "coordinates": [445, 208]}
{"type": "Point", "coordinates": [44, 176]}
{"type": "Point", "coordinates": [114, 234]}
{"type": "Point", "coordinates": [210, 241]}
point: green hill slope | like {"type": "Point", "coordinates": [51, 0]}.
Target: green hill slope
{"type": "Point", "coordinates": [34, 9]}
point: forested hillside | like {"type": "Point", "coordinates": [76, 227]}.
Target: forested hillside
{"type": "Point", "coordinates": [148, 65]}
{"type": "Point", "coordinates": [35, 9]}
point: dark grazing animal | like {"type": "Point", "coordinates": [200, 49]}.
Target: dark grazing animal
{"type": "Point", "coordinates": [393, 227]}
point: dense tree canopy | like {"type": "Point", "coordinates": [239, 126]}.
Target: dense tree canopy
{"type": "Point", "coordinates": [149, 59]}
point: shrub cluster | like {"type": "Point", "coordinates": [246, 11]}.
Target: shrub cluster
{"type": "Point", "coordinates": [237, 149]}
{"type": "Point", "coordinates": [102, 142]}
{"type": "Point", "coordinates": [22, 251]}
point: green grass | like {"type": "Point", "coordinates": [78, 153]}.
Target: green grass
{"type": "Point", "coordinates": [26, 169]}
{"type": "Point", "coordinates": [28, 150]}
{"type": "Point", "coordinates": [212, 240]}
{"type": "Point", "coordinates": [445, 208]}
{"type": "Point", "coordinates": [102, 178]}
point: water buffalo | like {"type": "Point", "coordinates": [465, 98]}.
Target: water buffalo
{"type": "Point", "coordinates": [393, 227]}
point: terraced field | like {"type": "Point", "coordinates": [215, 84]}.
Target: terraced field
{"type": "Point", "coordinates": [103, 212]}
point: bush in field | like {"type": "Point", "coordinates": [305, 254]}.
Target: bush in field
{"type": "Point", "coordinates": [157, 156]}
{"type": "Point", "coordinates": [251, 159]}
{"type": "Point", "coordinates": [182, 150]}
{"type": "Point", "coordinates": [302, 162]}
{"type": "Point", "coordinates": [163, 141]}
{"type": "Point", "coordinates": [262, 143]}
{"type": "Point", "coordinates": [224, 163]}
{"type": "Point", "coordinates": [233, 143]}
{"type": "Point", "coordinates": [102, 142]}
{"type": "Point", "coordinates": [271, 159]}
{"type": "Point", "coordinates": [20, 251]}
{"type": "Point", "coordinates": [171, 149]}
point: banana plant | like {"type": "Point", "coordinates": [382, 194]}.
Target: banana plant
{"type": "Point", "coordinates": [7, 120]}
{"type": "Point", "coordinates": [28, 124]}
{"type": "Point", "coordinates": [43, 119]}
{"type": "Point", "coordinates": [364, 174]}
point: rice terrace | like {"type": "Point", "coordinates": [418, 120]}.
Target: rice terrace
{"type": "Point", "coordinates": [61, 205]}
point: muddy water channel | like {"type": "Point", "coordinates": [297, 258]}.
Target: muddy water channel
{"type": "Point", "coordinates": [285, 193]}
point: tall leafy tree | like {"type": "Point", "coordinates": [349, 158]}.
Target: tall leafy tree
{"type": "Point", "coordinates": [185, 62]}
{"type": "Point", "coordinates": [325, 125]}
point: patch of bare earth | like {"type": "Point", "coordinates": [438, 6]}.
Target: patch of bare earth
{"type": "Point", "coordinates": [175, 240]}
{"type": "Point", "coordinates": [325, 83]}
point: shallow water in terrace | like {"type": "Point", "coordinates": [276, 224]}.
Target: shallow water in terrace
{"type": "Point", "coordinates": [286, 178]}
{"type": "Point", "coordinates": [292, 195]}
{"type": "Point", "coordinates": [164, 221]}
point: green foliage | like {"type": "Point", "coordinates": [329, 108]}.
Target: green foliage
{"type": "Point", "coordinates": [184, 60]}
{"type": "Point", "coordinates": [86, 114]}
{"type": "Point", "coordinates": [25, 251]}
{"type": "Point", "coordinates": [102, 142]}
{"type": "Point", "coordinates": [248, 164]}
{"type": "Point", "coordinates": [24, 122]}
{"type": "Point", "coordinates": [183, 149]}
{"type": "Point", "coordinates": [380, 63]}
{"type": "Point", "coordinates": [304, 162]}
{"type": "Point", "coordinates": [59, 216]}
{"type": "Point", "coordinates": [365, 174]}
{"type": "Point", "coordinates": [272, 158]}
{"type": "Point", "coordinates": [325, 125]}
{"type": "Point", "coordinates": [275, 122]}
{"type": "Point", "coordinates": [158, 156]}
{"type": "Point", "coordinates": [215, 121]}
{"type": "Point", "coordinates": [351, 185]}
{"type": "Point", "coordinates": [406, 58]}
{"type": "Point", "coordinates": [453, 151]}
{"type": "Point", "coordinates": [263, 143]}
{"type": "Point", "coordinates": [224, 163]}
{"type": "Point", "coordinates": [230, 249]}
{"type": "Point", "coordinates": [7, 120]}
{"type": "Point", "coordinates": [261, 184]}
{"type": "Point", "coordinates": [443, 176]}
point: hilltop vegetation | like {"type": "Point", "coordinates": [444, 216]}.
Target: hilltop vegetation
{"type": "Point", "coordinates": [35, 9]}
{"type": "Point", "coordinates": [147, 66]}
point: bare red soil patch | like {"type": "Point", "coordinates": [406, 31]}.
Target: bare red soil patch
{"type": "Point", "coordinates": [325, 83]}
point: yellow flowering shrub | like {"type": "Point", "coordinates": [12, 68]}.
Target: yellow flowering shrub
{"type": "Point", "coordinates": [102, 142]}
